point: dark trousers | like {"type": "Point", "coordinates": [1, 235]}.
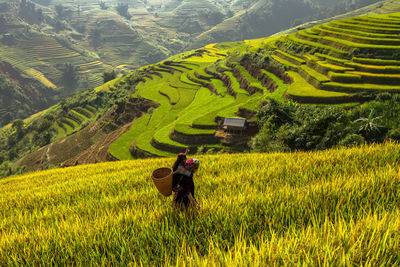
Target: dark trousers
{"type": "Point", "coordinates": [182, 199]}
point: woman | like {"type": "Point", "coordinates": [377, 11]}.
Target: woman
{"type": "Point", "coordinates": [183, 184]}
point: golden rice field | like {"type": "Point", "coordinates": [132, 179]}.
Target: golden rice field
{"type": "Point", "coordinates": [336, 207]}
{"type": "Point", "coordinates": [40, 76]}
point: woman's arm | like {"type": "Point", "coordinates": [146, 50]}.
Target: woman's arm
{"type": "Point", "coordinates": [178, 170]}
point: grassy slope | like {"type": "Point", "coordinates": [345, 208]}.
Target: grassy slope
{"type": "Point", "coordinates": [337, 207]}
{"type": "Point", "coordinates": [189, 103]}
{"type": "Point", "coordinates": [344, 64]}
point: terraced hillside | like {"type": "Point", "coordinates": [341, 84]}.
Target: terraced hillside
{"type": "Point", "coordinates": [188, 95]}
{"type": "Point", "coordinates": [340, 60]}
{"type": "Point", "coordinates": [195, 90]}
{"type": "Point", "coordinates": [74, 120]}
{"type": "Point", "coordinates": [39, 37]}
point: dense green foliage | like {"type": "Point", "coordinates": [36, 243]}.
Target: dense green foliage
{"type": "Point", "coordinates": [122, 9]}
{"type": "Point", "coordinates": [15, 102]}
{"type": "Point", "coordinates": [22, 137]}
{"type": "Point", "coordinates": [292, 127]}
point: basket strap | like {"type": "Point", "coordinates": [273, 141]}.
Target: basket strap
{"type": "Point", "coordinates": [180, 179]}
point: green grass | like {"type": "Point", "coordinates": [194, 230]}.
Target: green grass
{"type": "Point", "coordinates": [337, 207]}
{"type": "Point", "coordinates": [190, 106]}
{"type": "Point", "coordinates": [187, 130]}
{"type": "Point", "coordinates": [184, 78]}
{"type": "Point", "coordinates": [364, 28]}
{"type": "Point", "coordinates": [379, 19]}
{"type": "Point", "coordinates": [300, 87]}
{"type": "Point", "coordinates": [345, 77]}
{"type": "Point", "coordinates": [171, 92]}
{"type": "Point", "coordinates": [376, 61]}
{"type": "Point", "coordinates": [345, 44]}
{"type": "Point", "coordinates": [81, 116]}
{"type": "Point", "coordinates": [60, 131]}
{"type": "Point", "coordinates": [359, 87]}
{"type": "Point", "coordinates": [201, 72]}
{"type": "Point", "coordinates": [278, 94]}
{"type": "Point", "coordinates": [207, 120]}
{"type": "Point", "coordinates": [332, 27]}
{"type": "Point", "coordinates": [120, 148]}
{"type": "Point", "coordinates": [68, 127]}
{"type": "Point", "coordinates": [219, 86]}
{"type": "Point", "coordinates": [284, 62]}
{"type": "Point", "coordinates": [371, 23]}
{"type": "Point", "coordinates": [332, 59]}
{"type": "Point", "coordinates": [358, 39]}
{"type": "Point", "coordinates": [375, 68]}
{"type": "Point", "coordinates": [241, 101]}
{"type": "Point", "coordinates": [107, 86]}
{"type": "Point", "coordinates": [235, 84]}
{"type": "Point", "coordinates": [314, 74]}
{"type": "Point", "coordinates": [331, 67]}
{"type": "Point", "coordinates": [253, 104]}
{"type": "Point", "coordinates": [142, 133]}
{"type": "Point", "coordinates": [251, 79]}
{"type": "Point", "coordinates": [378, 78]}
{"type": "Point", "coordinates": [321, 47]}
{"type": "Point", "coordinates": [84, 110]}
{"type": "Point", "coordinates": [204, 102]}
{"type": "Point", "coordinates": [293, 59]}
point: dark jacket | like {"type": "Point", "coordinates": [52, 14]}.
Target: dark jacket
{"type": "Point", "coordinates": [179, 163]}
{"type": "Point", "coordinates": [183, 183]}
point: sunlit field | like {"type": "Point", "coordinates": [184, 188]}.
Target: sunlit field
{"type": "Point", "coordinates": [337, 207]}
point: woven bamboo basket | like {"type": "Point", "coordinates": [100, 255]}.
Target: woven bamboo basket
{"type": "Point", "coordinates": [162, 178]}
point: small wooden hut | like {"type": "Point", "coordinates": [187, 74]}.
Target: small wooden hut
{"type": "Point", "coordinates": [234, 125]}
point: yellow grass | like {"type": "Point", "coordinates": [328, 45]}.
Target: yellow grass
{"type": "Point", "coordinates": [40, 76]}
{"type": "Point", "coordinates": [333, 208]}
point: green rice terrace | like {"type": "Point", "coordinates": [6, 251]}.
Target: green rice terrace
{"type": "Point", "coordinates": [195, 90]}
{"type": "Point", "coordinates": [337, 61]}
{"type": "Point", "coordinates": [46, 56]}
{"type": "Point", "coordinates": [74, 120]}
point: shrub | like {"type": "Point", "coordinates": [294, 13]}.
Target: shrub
{"type": "Point", "coordinates": [352, 140]}
{"type": "Point", "coordinates": [109, 75]}
{"type": "Point", "coordinates": [265, 140]}
{"type": "Point", "coordinates": [277, 113]}
{"type": "Point", "coordinates": [383, 96]}
{"type": "Point", "coordinates": [122, 9]}
{"type": "Point", "coordinates": [394, 134]}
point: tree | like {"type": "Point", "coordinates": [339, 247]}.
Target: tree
{"type": "Point", "coordinates": [59, 10]}
{"type": "Point", "coordinates": [122, 9]}
{"type": "Point", "coordinates": [95, 36]}
{"type": "Point", "coordinates": [69, 77]}
{"type": "Point", "coordinates": [103, 5]}
{"type": "Point", "coordinates": [369, 128]}
{"type": "Point", "coordinates": [18, 124]}
{"type": "Point", "coordinates": [352, 140]}
{"type": "Point", "coordinates": [109, 75]}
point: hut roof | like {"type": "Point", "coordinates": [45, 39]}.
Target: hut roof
{"type": "Point", "coordinates": [235, 122]}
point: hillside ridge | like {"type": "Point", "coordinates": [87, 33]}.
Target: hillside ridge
{"type": "Point", "coordinates": [181, 102]}
{"type": "Point", "coordinates": [39, 37]}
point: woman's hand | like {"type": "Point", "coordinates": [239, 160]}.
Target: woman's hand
{"type": "Point", "coordinates": [187, 151]}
